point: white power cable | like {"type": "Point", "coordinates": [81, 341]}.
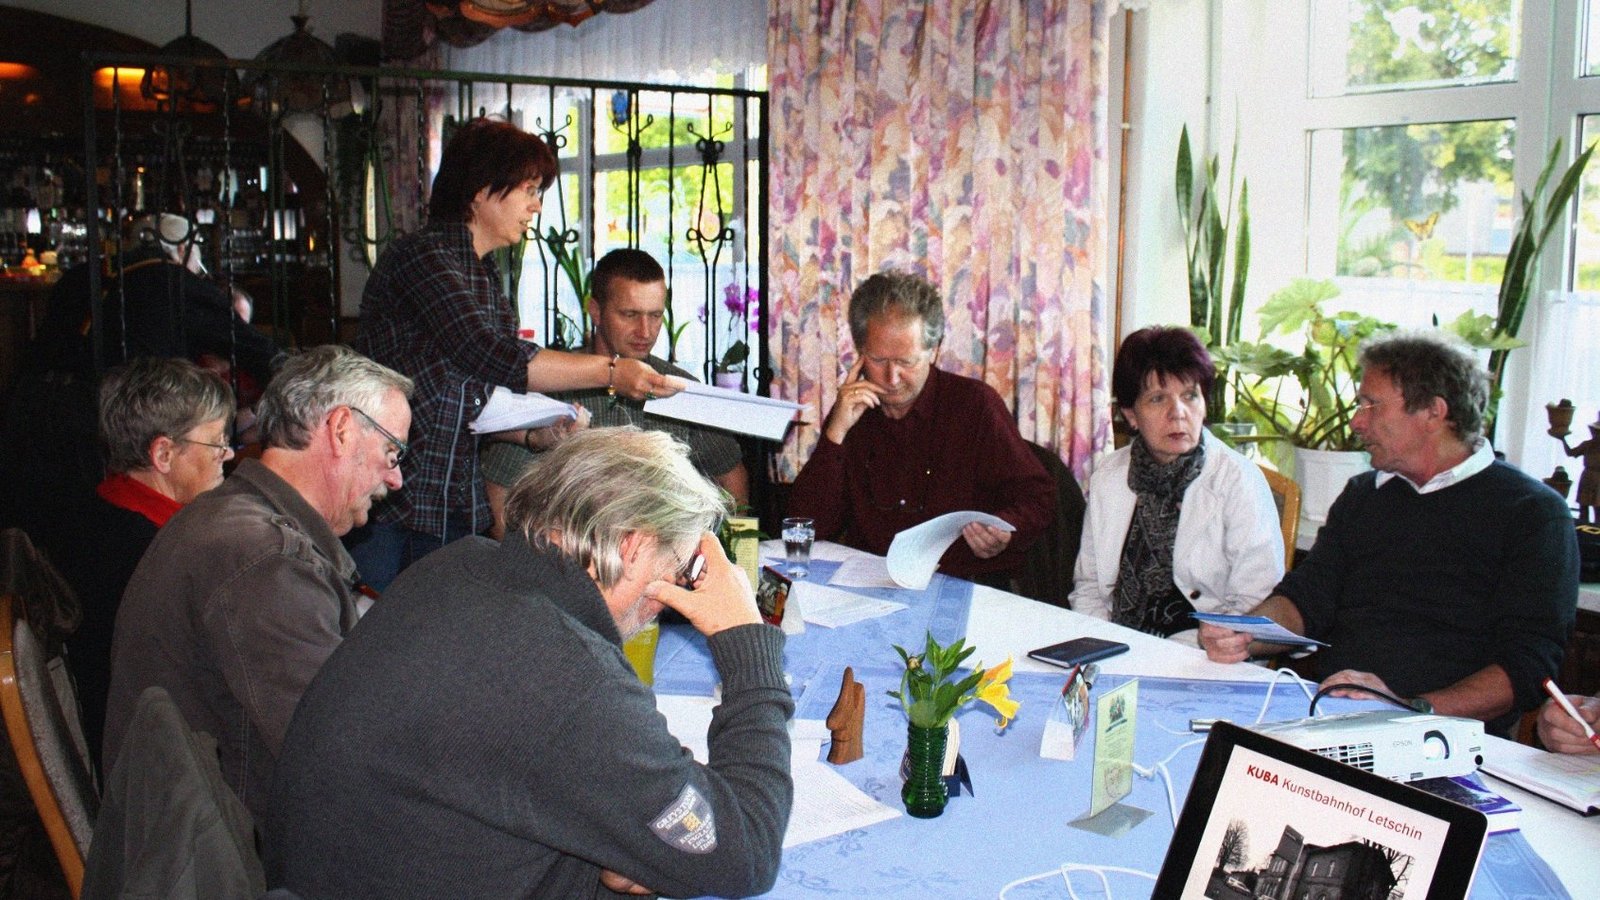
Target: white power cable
{"type": "Point", "coordinates": [1065, 871]}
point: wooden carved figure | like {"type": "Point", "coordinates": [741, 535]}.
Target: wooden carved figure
{"type": "Point", "coordinates": [1589, 481]}
{"type": "Point", "coordinates": [845, 720]}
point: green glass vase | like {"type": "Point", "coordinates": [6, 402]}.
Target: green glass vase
{"type": "Point", "coordinates": [924, 792]}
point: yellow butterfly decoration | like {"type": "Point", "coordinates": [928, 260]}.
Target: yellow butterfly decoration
{"type": "Point", "coordinates": [1423, 228]}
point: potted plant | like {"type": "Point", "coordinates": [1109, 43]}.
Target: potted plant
{"type": "Point", "coordinates": [1304, 402]}
{"type": "Point", "coordinates": [1208, 213]}
{"type": "Point", "coordinates": [1540, 216]}
{"type": "Point", "coordinates": [744, 316]}
{"type": "Point", "coordinates": [931, 698]}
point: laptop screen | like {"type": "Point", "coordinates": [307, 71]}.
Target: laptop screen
{"type": "Point", "coordinates": [1267, 819]}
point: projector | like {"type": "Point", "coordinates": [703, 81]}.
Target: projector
{"type": "Point", "coordinates": [1397, 744]}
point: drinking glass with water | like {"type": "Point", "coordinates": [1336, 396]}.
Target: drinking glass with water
{"type": "Point", "coordinates": [798, 533]}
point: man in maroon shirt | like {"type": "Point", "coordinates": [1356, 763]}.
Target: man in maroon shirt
{"type": "Point", "coordinates": [906, 442]}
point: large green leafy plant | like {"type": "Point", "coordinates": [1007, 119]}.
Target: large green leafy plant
{"type": "Point", "coordinates": [1305, 399]}
{"type": "Point", "coordinates": [1212, 224]}
{"type": "Point", "coordinates": [1540, 216]}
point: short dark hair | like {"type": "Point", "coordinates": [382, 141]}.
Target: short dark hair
{"type": "Point", "coordinates": [1427, 364]}
{"type": "Point", "coordinates": [152, 397]}
{"type": "Point", "coordinates": [897, 295]}
{"type": "Point", "coordinates": [1165, 350]}
{"type": "Point", "coordinates": [627, 263]}
{"type": "Point", "coordinates": [486, 153]}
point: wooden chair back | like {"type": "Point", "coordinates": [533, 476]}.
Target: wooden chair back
{"type": "Point", "coordinates": [1286, 496]}
{"type": "Point", "coordinates": [53, 765]}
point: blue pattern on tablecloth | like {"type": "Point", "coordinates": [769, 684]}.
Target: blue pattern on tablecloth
{"type": "Point", "coordinates": [1015, 825]}
{"type": "Point", "coordinates": [946, 857]}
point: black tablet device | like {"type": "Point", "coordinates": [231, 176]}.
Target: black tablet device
{"type": "Point", "coordinates": [1077, 651]}
{"type": "Point", "coordinates": [1268, 819]}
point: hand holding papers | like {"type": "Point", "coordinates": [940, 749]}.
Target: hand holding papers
{"type": "Point", "coordinates": [729, 410]}
{"type": "Point", "coordinates": [508, 410]}
{"type": "Point", "coordinates": [1259, 627]}
{"type": "Point", "coordinates": [915, 552]}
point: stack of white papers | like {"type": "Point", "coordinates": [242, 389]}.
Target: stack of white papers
{"type": "Point", "coordinates": [730, 410]}
{"type": "Point", "coordinates": [832, 608]}
{"type": "Point", "coordinates": [915, 552]}
{"type": "Point", "coordinates": [825, 802]}
{"type": "Point", "coordinates": [508, 410]}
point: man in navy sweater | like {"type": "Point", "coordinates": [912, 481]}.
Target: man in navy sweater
{"type": "Point", "coordinates": [1444, 574]}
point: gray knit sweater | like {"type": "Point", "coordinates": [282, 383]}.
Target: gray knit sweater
{"type": "Point", "coordinates": [480, 734]}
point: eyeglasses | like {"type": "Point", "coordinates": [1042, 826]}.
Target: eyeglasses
{"type": "Point", "coordinates": [401, 448]}
{"type": "Point", "coordinates": [689, 571]}
{"type": "Point", "coordinates": [224, 448]}
{"type": "Point", "coordinates": [1366, 405]}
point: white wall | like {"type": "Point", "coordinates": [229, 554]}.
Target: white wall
{"type": "Point", "coordinates": [1171, 76]}
{"type": "Point", "coordinates": [239, 28]}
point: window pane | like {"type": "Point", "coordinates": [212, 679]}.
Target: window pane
{"type": "Point", "coordinates": [1586, 255]}
{"type": "Point", "coordinates": [1591, 43]}
{"type": "Point", "coordinates": [1359, 46]}
{"type": "Point", "coordinates": [1417, 217]}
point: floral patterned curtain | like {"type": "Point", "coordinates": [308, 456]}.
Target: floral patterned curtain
{"type": "Point", "coordinates": [962, 141]}
{"type": "Point", "coordinates": [412, 26]}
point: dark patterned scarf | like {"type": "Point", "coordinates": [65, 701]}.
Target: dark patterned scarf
{"type": "Point", "coordinates": [1144, 596]}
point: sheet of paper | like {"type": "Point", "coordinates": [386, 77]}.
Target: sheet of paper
{"type": "Point", "coordinates": [826, 804]}
{"type": "Point", "coordinates": [508, 410]}
{"type": "Point", "coordinates": [688, 718]}
{"type": "Point", "coordinates": [832, 608]}
{"type": "Point", "coordinates": [915, 552]}
{"type": "Point", "coordinates": [736, 411]}
{"type": "Point", "coordinates": [1259, 627]}
{"type": "Point", "coordinates": [863, 571]}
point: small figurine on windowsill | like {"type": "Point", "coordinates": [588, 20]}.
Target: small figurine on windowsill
{"type": "Point", "coordinates": [1589, 481]}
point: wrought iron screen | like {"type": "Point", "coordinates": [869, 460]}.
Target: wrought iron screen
{"type": "Point", "coordinates": [294, 189]}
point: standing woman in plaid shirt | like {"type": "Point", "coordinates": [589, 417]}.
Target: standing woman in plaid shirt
{"type": "Point", "coordinates": [434, 310]}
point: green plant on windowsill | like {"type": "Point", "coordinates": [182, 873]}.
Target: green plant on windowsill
{"type": "Point", "coordinates": [1304, 399]}
{"type": "Point", "coordinates": [1540, 216]}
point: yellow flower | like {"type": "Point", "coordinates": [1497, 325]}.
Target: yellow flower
{"type": "Point", "coordinates": [993, 690]}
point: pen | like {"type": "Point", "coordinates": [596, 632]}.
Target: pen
{"type": "Point", "coordinates": [1557, 695]}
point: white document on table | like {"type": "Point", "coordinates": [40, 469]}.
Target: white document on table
{"type": "Point", "coordinates": [508, 410]}
{"type": "Point", "coordinates": [914, 553]}
{"type": "Point", "coordinates": [825, 802]}
{"type": "Point", "coordinates": [863, 571]}
{"type": "Point", "coordinates": [832, 608]}
{"type": "Point", "coordinates": [736, 411]}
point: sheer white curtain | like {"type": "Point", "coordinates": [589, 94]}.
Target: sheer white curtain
{"type": "Point", "coordinates": [1559, 362]}
{"type": "Point", "coordinates": [669, 41]}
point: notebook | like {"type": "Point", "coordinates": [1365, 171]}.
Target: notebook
{"type": "Point", "coordinates": [1264, 818]}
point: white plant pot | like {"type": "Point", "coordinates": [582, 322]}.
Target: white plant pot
{"type": "Point", "coordinates": [1321, 475]}
{"type": "Point", "coordinates": [729, 380]}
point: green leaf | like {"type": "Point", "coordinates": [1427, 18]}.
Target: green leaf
{"type": "Point", "coordinates": [1291, 308]}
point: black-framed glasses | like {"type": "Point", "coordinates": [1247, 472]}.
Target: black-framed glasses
{"type": "Point", "coordinates": [401, 448]}
{"type": "Point", "coordinates": [689, 571]}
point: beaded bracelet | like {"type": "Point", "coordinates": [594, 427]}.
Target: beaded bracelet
{"type": "Point", "coordinates": [611, 376]}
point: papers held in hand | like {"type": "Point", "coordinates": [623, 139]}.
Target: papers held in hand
{"type": "Point", "coordinates": [1259, 627]}
{"type": "Point", "coordinates": [736, 411]}
{"type": "Point", "coordinates": [508, 410]}
{"type": "Point", "coordinates": [915, 552]}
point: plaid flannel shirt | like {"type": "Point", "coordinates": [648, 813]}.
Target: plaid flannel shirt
{"type": "Point", "coordinates": [434, 310]}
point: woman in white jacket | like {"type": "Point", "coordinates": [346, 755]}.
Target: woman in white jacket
{"type": "Point", "coordinates": [1177, 521]}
